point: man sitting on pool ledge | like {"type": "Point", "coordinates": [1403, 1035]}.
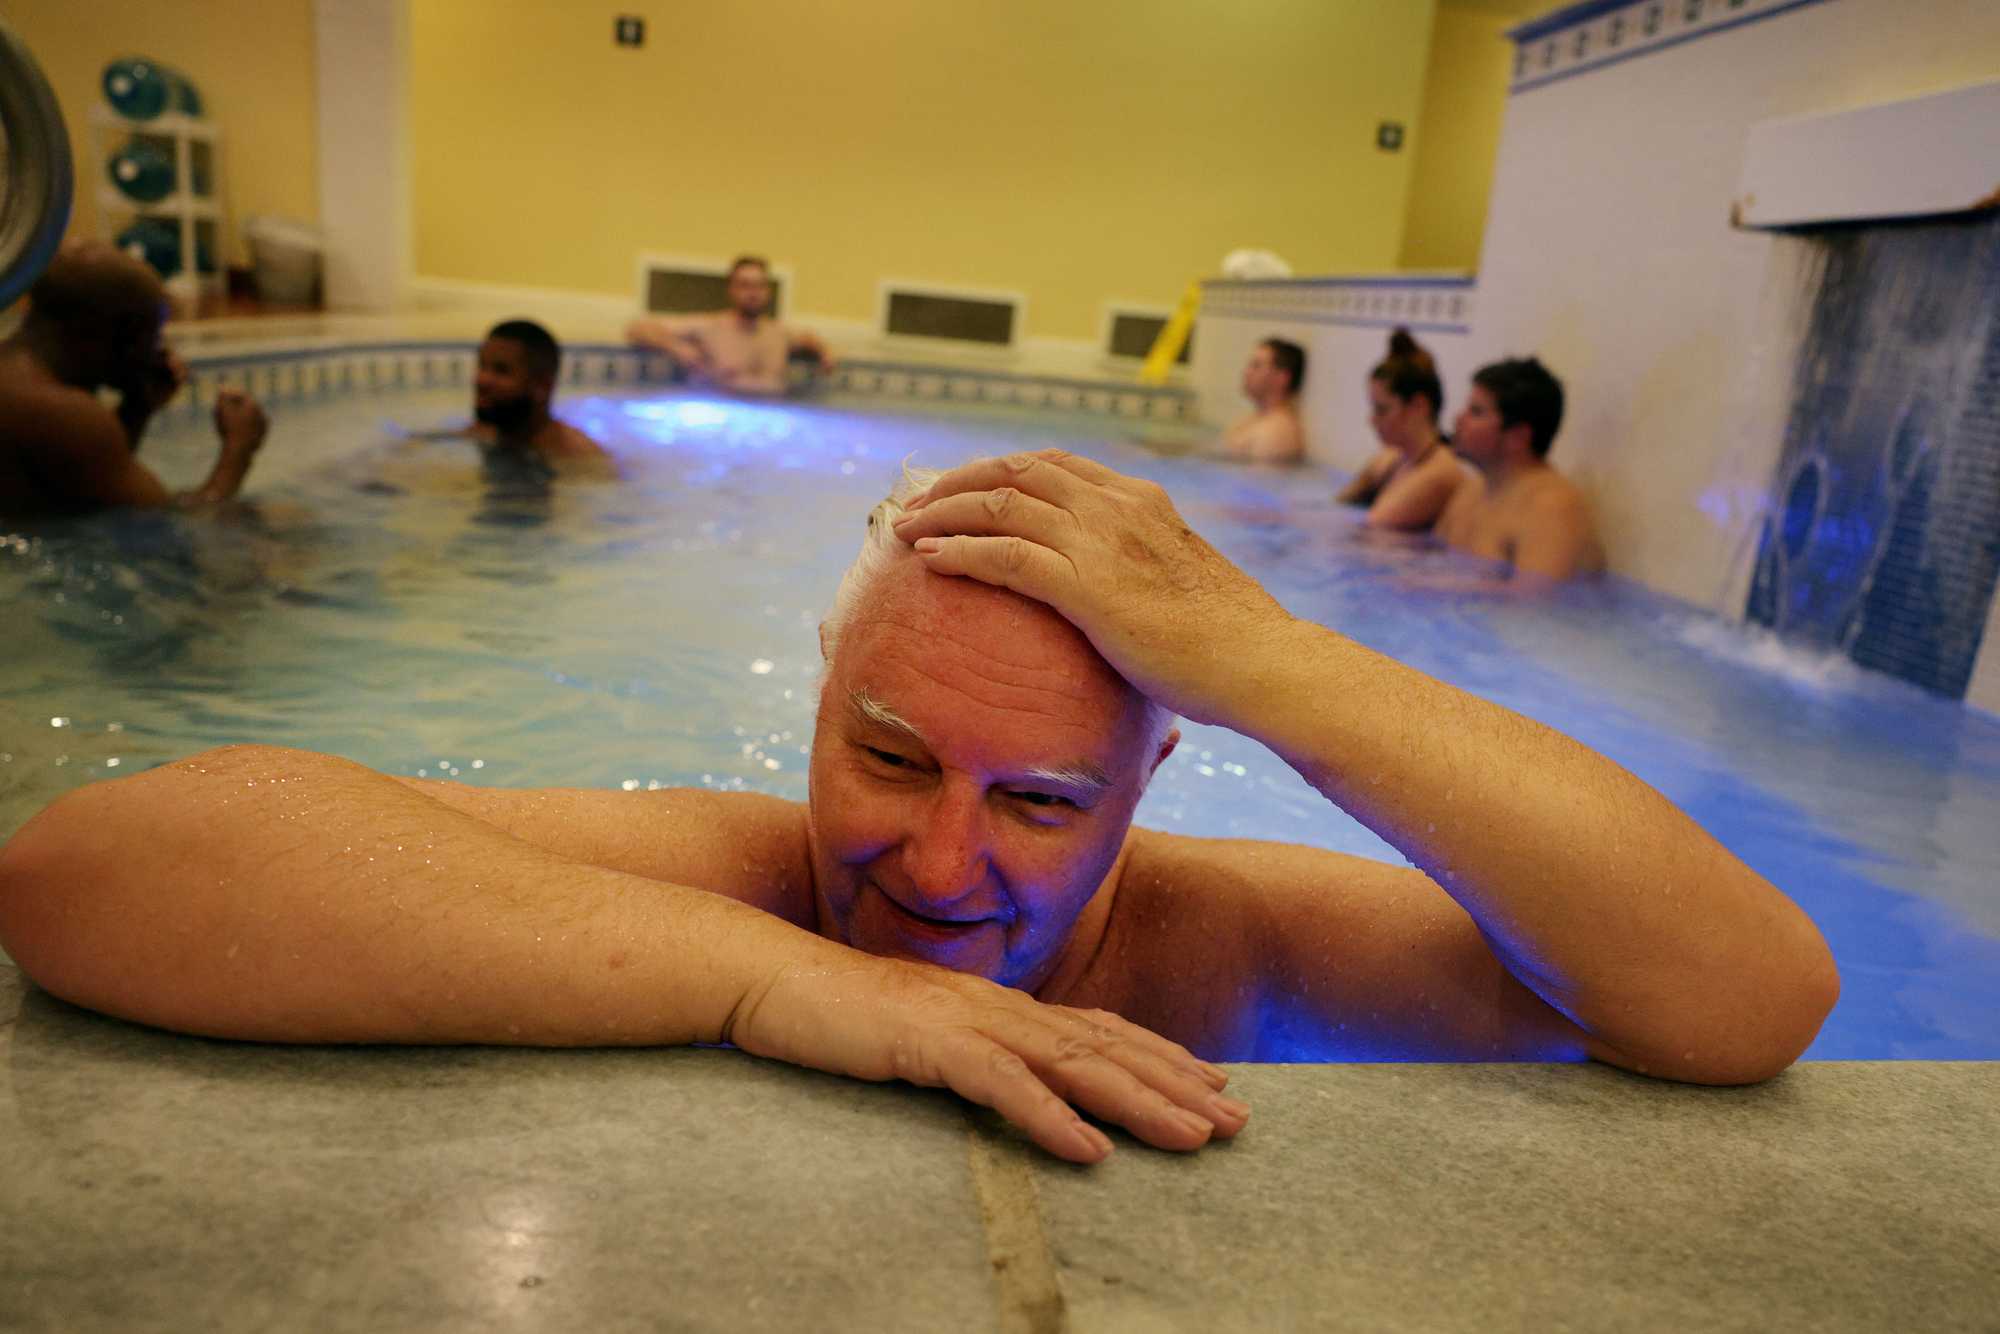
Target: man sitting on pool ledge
{"type": "Point", "coordinates": [977, 759]}
{"type": "Point", "coordinates": [94, 321]}
{"type": "Point", "coordinates": [740, 349]}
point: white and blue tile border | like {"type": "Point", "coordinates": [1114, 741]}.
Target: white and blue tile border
{"type": "Point", "coordinates": [311, 373]}
{"type": "Point", "coordinates": [1582, 37]}
{"type": "Point", "coordinates": [1423, 305]}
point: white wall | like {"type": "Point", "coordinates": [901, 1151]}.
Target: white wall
{"type": "Point", "coordinates": [363, 51]}
{"type": "Point", "coordinates": [1343, 324]}
{"type": "Point", "coordinates": [1609, 252]}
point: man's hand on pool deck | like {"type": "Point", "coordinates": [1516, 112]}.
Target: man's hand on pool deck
{"type": "Point", "coordinates": [880, 1019]}
{"type": "Point", "coordinates": [1168, 611]}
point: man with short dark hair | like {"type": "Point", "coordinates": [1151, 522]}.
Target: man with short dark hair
{"type": "Point", "coordinates": [1271, 380]}
{"type": "Point", "coordinates": [94, 322]}
{"type": "Point", "coordinates": [511, 392]}
{"type": "Point", "coordinates": [741, 348]}
{"type": "Point", "coordinates": [1522, 513]}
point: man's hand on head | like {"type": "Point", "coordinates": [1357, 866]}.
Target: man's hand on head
{"type": "Point", "coordinates": [1034, 1064]}
{"type": "Point", "coordinates": [1170, 613]}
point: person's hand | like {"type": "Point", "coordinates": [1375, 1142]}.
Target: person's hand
{"type": "Point", "coordinates": [880, 1019]}
{"type": "Point", "coordinates": [1110, 553]}
{"type": "Point", "coordinates": [239, 421]}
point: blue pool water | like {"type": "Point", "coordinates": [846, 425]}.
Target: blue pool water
{"type": "Point", "coordinates": [387, 602]}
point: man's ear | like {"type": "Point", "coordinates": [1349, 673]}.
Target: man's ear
{"type": "Point", "coordinates": [1167, 744]}
{"type": "Point", "coordinates": [824, 655]}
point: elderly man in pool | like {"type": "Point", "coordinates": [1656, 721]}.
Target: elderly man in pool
{"type": "Point", "coordinates": [964, 901]}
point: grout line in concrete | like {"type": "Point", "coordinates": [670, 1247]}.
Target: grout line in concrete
{"type": "Point", "coordinates": [1017, 1246]}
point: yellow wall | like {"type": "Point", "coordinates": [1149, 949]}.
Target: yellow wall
{"type": "Point", "coordinates": [1075, 151]}
{"type": "Point", "coordinates": [252, 61]}
{"type": "Point", "coordinates": [1458, 131]}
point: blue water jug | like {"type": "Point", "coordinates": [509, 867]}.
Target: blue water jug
{"type": "Point", "coordinates": [140, 89]}
{"type": "Point", "coordinates": [142, 171]}
{"type": "Point", "coordinates": [156, 241]}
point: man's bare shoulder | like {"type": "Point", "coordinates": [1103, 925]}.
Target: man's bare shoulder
{"type": "Point", "coordinates": [1224, 919]}
{"type": "Point", "coordinates": [1281, 439]}
{"type": "Point", "coordinates": [1462, 512]}
{"type": "Point", "coordinates": [1553, 530]}
{"type": "Point", "coordinates": [30, 395]}
{"type": "Point", "coordinates": [746, 845]}
{"type": "Point", "coordinates": [572, 443]}
{"type": "Point", "coordinates": [1555, 496]}
{"type": "Point", "coordinates": [58, 441]}
{"type": "Point", "coordinates": [743, 845]}
{"type": "Point", "coordinates": [1274, 951]}
{"type": "Point", "coordinates": [1272, 436]}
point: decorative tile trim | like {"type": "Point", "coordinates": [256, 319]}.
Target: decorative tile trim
{"type": "Point", "coordinates": [1591, 35]}
{"type": "Point", "coordinates": [304, 374]}
{"type": "Point", "coordinates": [1429, 305]}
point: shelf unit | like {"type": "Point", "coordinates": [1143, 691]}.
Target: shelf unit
{"type": "Point", "coordinates": [197, 217]}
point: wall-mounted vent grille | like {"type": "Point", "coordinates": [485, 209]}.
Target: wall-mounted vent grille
{"type": "Point", "coordinates": [689, 289]}
{"type": "Point", "coordinates": [1133, 332]}
{"type": "Point", "coordinates": [914, 313]}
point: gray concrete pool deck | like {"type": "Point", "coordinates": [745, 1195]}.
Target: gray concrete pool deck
{"type": "Point", "coordinates": [150, 1181]}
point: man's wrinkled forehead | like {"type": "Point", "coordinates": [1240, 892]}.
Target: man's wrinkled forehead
{"type": "Point", "coordinates": [959, 626]}
{"type": "Point", "coordinates": [1005, 626]}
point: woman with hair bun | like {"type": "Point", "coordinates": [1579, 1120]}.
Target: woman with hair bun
{"type": "Point", "coordinates": [1407, 485]}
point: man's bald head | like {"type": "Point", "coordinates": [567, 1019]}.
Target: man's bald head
{"type": "Point", "coordinates": [91, 282]}
{"type": "Point", "coordinates": [97, 299]}
{"type": "Point", "coordinates": [886, 565]}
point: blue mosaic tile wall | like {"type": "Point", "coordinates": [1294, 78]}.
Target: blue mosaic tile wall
{"type": "Point", "coordinates": [318, 371]}
{"type": "Point", "coordinates": [1883, 540]}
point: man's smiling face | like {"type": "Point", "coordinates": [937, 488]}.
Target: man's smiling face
{"type": "Point", "coordinates": [974, 772]}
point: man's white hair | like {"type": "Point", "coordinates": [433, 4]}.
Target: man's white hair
{"type": "Point", "coordinates": [880, 547]}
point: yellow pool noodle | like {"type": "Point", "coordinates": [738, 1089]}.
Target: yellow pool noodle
{"type": "Point", "coordinates": [1173, 337]}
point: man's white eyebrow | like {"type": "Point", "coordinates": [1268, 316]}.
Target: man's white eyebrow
{"type": "Point", "coordinates": [874, 711]}
{"type": "Point", "coordinates": [1083, 779]}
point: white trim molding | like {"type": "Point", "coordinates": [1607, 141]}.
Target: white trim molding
{"type": "Point", "coordinates": [1914, 158]}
